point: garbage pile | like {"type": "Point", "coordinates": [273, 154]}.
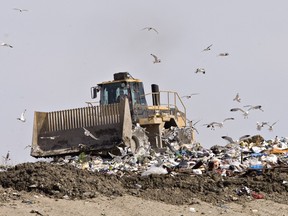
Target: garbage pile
{"type": "Point", "coordinates": [252, 156]}
{"type": "Point", "coordinates": [251, 169]}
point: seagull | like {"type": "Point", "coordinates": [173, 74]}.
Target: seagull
{"type": "Point", "coordinates": [20, 10]}
{"type": "Point", "coordinates": [6, 45]}
{"type": "Point", "coordinates": [7, 156]}
{"type": "Point", "coordinates": [119, 158]}
{"type": "Point", "coordinates": [246, 112]}
{"type": "Point", "coordinates": [150, 28]}
{"type": "Point", "coordinates": [200, 70]}
{"type": "Point", "coordinates": [254, 107]}
{"type": "Point", "coordinates": [90, 104]}
{"type": "Point", "coordinates": [237, 98]}
{"type": "Point", "coordinates": [230, 140]}
{"type": "Point", "coordinates": [22, 117]}
{"type": "Point", "coordinates": [123, 151]}
{"type": "Point", "coordinates": [88, 133]}
{"type": "Point", "coordinates": [259, 126]}
{"type": "Point", "coordinates": [189, 96]}
{"type": "Point", "coordinates": [219, 124]}
{"type": "Point", "coordinates": [271, 126]}
{"type": "Point", "coordinates": [156, 59]}
{"type": "Point", "coordinates": [192, 125]}
{"type": "Point", "coordinates": [50, 137]}
{"type": "Point", "coordinates": [28, 146]}
{"type": "Point", "coordinates": [208, 48]}
{"type": "Point", "coordinates": [223, 54]}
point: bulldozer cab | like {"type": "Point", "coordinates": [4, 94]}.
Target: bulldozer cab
{"type": "Point", "coordinates": [123, 86]}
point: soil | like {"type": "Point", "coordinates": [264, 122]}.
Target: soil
{"type": "Point", "coordinates": [68, 182]}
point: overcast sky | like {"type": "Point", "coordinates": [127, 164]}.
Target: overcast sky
{"type": "Point", "coordinates": [62, 48]}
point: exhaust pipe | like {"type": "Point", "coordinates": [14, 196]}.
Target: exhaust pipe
{"type": "Point", "coordinates": [155, 95]}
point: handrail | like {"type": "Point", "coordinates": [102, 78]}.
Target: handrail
{"type": "Point", "coordinates": [173, 107]}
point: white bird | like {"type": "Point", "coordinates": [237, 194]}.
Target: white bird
{"type": "Point", "coordinates": [192, 125]}
{"type": "Point", "coordinates": [7, 156]}
{"type": "Point", "coordinates": [189, 96]}
{"type": "Point", "coordinates": [246, 112]}
{"type": "Point", "coordinates": [271, 126]}
{"type": "Point", "coordinates": [20, 10]}
{"type": "Point", "coordinates": [219, 124]}
{"type": "Point", "coordinates": [22, 117]}
{"type": "Point", "coordinates": [237, 98]}
{"type": "Point", "coordinates": [200, 70]}
{"type": "Point", "coordinates": [6, 45]}
{"type": "Point", "coordinates": [150, 28]}
{"type": "Point", "coordinates": [123, 151]}
{"type": "Point", "coordinates": [50, 137]}
{"type": "Point", "coordinates": [88, 133]}
{"type": "Point", "coordinates": [230, 140]}
{"type": "Point", "coordinates": [259, 107]}
{"type": "Point", "coordinates": [156, 59]}
{"type": "Point", "coordinates": [223, 54]}
{"type": "Point", "coordinates": [28, 146]}
{"type": "Point", "coordinates": [259, 126]}
{"type": "Point", "coordinates": [208, 48]}
{"type": "Point", "coordinates": [119, 158]}
{"type": "Point", "coordinates": [90, 104]}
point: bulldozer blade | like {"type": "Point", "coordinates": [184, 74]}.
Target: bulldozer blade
{"type": "Point", "coordinates": [88, 129]}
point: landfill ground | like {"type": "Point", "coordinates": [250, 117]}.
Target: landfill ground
{"type": "Point", "coordinates": [44, 188]}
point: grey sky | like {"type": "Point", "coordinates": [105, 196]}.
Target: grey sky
{"type": "Point", "coordinates": [62, 48]}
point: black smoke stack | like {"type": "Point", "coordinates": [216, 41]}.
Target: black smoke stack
{"type": "Point", "coordinates": [155, 95]}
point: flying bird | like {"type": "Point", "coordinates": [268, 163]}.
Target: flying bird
{"type": "Point", "coordinates": [271, 126]}
{"type": "Point", "coordinates": [259, 107]}
{"type": "Point", "coordinates": [28, 146]}
{"type": "Point", "coordinates": [218, 124]}
{"type": "Point", "coordinates": [189, 96]}
{"type": "Point", "coordinates": [237, 98]}
{"type": "Point", "coordinates": [230, 140]}
{"type": "Point", "coordinates": [192, 125]}
{"type": "Point", "coordinates": [200, 70]}
{"type": "Point", "coordinates": [7, 156]}
{"type": "Point", "coordinates": [259, 126]}
{"type": "Point", "coordinates": [223, 54]}
{"type": "Point", "coordinates": [6, 45]}
{"type": "Point", "coordinates": [88, 133]}
{"type": "Point", "coordinates": [208, 48]}
{"type": "Point", "coordinates": [150, 28]}
{"type": "Point", "coordinates": [246, 112]}
{"type": "Point", "coordinates": [20, 10]}
{"type": "Point", "coordinates": [123, 151]}
{"type": "Point", "coordinates": [90, 104]}
{"type": "Point", "coordinates": [119, 158]}
{"type": "Point", "coordinates": [50, 137]}
{"type": "Point", "coordinates": [22, 117]}
{"type": "Point", "coordinates": [156, 59]}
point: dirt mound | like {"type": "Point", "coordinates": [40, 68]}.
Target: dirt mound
{"type": "Point", "coordinates": [67, 181]}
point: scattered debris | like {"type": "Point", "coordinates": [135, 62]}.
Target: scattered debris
{"type": "Point", "coordinates": [221, 171]}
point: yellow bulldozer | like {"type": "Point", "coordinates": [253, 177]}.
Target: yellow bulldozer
{"type": "Point", "coordinates": [123, 117]}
